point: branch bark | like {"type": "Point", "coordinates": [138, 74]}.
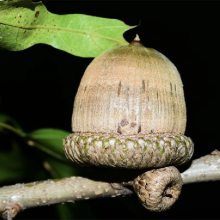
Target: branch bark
{"type": "Point", "coordinates": [206, 168]}
{"type": "Point", "coordinates": [18, 197]}
{"type": "Point", "coordinates": [15, 198]}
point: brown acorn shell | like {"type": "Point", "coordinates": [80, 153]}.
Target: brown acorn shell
{"type": "Point", "coordinates": [129, 90]}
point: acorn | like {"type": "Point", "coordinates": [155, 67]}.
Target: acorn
{"type": "Point", "coordinates": [130, 112]}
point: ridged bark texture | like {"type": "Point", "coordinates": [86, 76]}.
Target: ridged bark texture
{"type": "Point", "coordinates": [132, 152]}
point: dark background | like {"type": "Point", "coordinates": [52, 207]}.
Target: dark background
{"type": "Point", "coordinates": [38, 85]}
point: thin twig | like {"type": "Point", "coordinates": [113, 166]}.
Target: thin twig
{"type": "Point", "coordinates": [22, 196]}
{"type": "Point", "coordinates": [12, 129]}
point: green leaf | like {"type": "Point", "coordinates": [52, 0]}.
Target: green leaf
{"type": "Point", "coordinates": [23, 24]}
{"type": "Point", "coordinates": [50, 141]}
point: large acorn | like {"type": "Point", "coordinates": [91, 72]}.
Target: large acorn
{"type": "Point", "coordinates": [130, 112]}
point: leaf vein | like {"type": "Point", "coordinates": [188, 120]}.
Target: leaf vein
{"type": "Point", "coordinates": [91, 34]}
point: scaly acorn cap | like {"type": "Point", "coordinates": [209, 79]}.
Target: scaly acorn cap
{"type": "Point", "coordinates": [129, 111]}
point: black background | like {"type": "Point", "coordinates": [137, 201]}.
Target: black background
{"type": "Point", "coordinates": [38, 85]}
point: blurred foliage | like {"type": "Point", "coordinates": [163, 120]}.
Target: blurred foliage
{"type": "Point", "coordinates": [35, 155]}
{"type": "Point", "coordinates": [29, 156]}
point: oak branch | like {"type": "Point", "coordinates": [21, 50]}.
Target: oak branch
{"type": "Point", "coordinates": [18, 197]}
